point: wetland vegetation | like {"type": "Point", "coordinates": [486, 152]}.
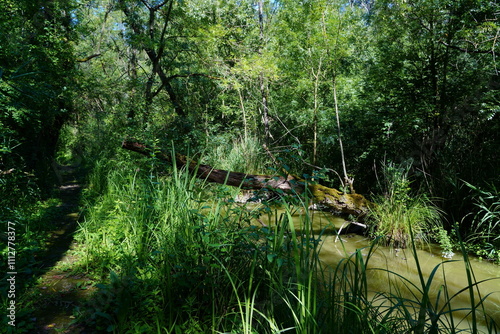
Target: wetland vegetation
{"type": "Point", "coordinates": [393, 100]}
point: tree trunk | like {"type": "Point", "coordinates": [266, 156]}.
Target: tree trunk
{"type": "Point", "coordinates": [329, 198]}
{"type": "Point", "coordinates": [262, 79]}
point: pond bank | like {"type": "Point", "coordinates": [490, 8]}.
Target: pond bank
{"type": "Point", "coordinates": [397, 273]}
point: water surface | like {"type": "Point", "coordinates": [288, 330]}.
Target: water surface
{"type": "Point", "coordinates": [386, 264]}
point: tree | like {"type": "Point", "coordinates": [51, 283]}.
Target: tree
{"type": "Point", "coordinates": [150, 35]}
{"type": "Point", "coordinates": [430, 74]}
{"type": "Point", "coordinates": [37, 67]}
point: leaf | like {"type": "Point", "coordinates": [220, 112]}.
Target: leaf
{"type": "Point", "coordinates": [271, 257]}
{"type": "Point", "coordinates": [104, 315]}
{"type": "Point", "coordinates": [24, 74]}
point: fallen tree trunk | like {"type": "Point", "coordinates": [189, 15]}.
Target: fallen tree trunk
{"type": "Point", "coordinates": [332, 199]}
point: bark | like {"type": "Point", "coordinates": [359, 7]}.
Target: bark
{"type": "Point", "coordinates": [83, 60]}
{"type": "Point", "coordinates": [262, 79]}
{"type": "Point", "coordinates": [324, 197]}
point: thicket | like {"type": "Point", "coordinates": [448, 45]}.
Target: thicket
{"type": "Point", "coordinates": [412, 85]}
{"type": "Point", "coordinates": [177, 255]}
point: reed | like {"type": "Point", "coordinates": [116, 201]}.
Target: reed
{"type": "Point", "coordinates": [172, 262]}
{"type": "Point", "coordinates": [398, 214]}
{"type": "Point", "coordinates": [485, 226]}
{"type": "Point", "coordinates": [241, 154]}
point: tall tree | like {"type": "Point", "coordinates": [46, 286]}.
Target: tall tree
{"type": "Point", "coordinates": [263, 86]}
{"type": "Point", "coordinates": [435, 61]}
{"type": "Point", "coordinates": [37, 69]}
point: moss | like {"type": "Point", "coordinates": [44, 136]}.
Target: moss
{"type": "Point", "coordinates": [346, 203]}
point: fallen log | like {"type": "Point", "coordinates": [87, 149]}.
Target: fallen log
{"type": "Point", "coordinates": [329, 198]}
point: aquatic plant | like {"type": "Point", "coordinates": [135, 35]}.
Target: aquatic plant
{"type": "Point", "coordinates": [485, 229]}
{"type": "Point", "coordinates": [172, 262]}
{"type": "Point", "coordinates": [398, 213]}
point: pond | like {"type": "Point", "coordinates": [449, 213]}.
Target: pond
{"type": "Point", "coordinates": [394, 271]}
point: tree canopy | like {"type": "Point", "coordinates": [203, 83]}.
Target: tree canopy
{"type": "Point", "coordinates": [329, 84]}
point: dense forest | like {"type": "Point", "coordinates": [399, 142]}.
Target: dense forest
{"type": "Point", "coordinates": [395, 100]}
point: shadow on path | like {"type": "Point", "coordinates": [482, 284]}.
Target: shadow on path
{"type": "Point", "coordinates": [58, 292]}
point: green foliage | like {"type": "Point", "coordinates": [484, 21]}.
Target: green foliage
{"type": "Point", "coordinates": [318, 46]}
{"type": "Point", "coordinates": [69, 150]}
{"type": "Point", "coordinates": [36, 80]}
{"type": "Point", "coordinates": [188, 265]}
{"type": "Point", "coordinates": [241, 155]}
{"type": "Point", "coordinates": [17, 188]}
{"type": "Point", "coordinates": [398, 216]}
{"type": "Point", "coordinates": [444, 240]}
{"type": "Point", "coordinates": [487, 220]}
{"type": "Point", "coordinates": [416, 81]}
{"type": "Point", "coordinates": [422, 79]}
{"type": "Point", "coordinates": [156, 231]}
{"type": "Point", "coordinates": [485, 229]}
{"type": "Point", "coordinates": [33, 223]}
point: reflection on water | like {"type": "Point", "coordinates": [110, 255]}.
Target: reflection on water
{"type": "Point", "coordinates": [384, 262]}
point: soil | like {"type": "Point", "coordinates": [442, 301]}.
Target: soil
{"type": "Point", "coordinates": [60, 294]}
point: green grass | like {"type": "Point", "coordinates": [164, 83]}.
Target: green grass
{"type": "Point", "coordinates": [395, 221]}
{"type": "Point", "coordinates": [398, 215]}
{"type": "Point", "coordinates": [240, 155]}
{"type": "Point", "coordinates": [172, 262]}
{"type": "Point", "coordinates": [157, 231]}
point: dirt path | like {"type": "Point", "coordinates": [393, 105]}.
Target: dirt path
{"type": "Point", "coordinates": [59, 293]}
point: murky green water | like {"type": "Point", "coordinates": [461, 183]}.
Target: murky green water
{"type": "Point", "coordinates": [452, 274]}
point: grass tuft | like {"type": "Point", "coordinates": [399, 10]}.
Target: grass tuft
{"type": "Point", "coordinates": [397, 215]}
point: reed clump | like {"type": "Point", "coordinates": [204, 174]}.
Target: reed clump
{"type": "Point", "coordinates": [398, 214]}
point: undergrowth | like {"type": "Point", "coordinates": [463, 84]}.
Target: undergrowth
{"type": "Point", "coordinates": [178, 256]}
{"type": "Point", "coordinates": [485, 230]}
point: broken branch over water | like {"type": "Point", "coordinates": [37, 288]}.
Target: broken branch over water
{"type": "Point", "coordinates": [330, 198]}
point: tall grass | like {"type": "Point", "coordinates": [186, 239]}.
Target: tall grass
{"type": "Point", "coordinates": [398, 215]}
{"type": "Point", "coordinates": [485, 229]}
{"type": "Point", "coordinates": [241, 155]}
{"type": "Point", "coordinates": [155, 237]}
{"type": "Point", "coordinates": [172, 261]}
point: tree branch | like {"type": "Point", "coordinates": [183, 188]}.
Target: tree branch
{"type": "Point", "coordinates": [83, 60]}
{"type": "Point", "coordinates": [192, 75]}
{"type": "Point", "coordinates": [353, 204]}
{"type": "Point", "coordinates": [467, 50]}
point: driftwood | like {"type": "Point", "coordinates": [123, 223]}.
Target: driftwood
{"type": "Point", "coordinates": [324, 197]}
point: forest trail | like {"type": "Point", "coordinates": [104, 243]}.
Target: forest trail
{"type": "Point", "coordinates": [60, 293]}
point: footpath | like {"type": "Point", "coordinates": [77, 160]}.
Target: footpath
{"type": "Point", "coordinates": [60, 294]}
